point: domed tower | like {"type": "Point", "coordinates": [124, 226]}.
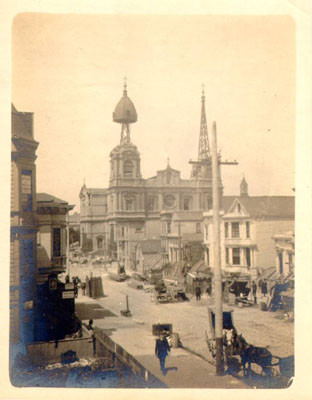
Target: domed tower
{"type": "Point", "coordinates": [125, 158]}
{"type": "Point", "coordinates": [125, 114]}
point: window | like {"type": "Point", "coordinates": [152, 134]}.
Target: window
{"type": "Point", "coordinates": [168, 227]}
{"type": "Point", "coordinates": [198, 229]}
{"type": "Point", "coordinates": [151, 203]}
{"type": "Point", "coordinates": [129, 204]}
{"type": "Point", "coordinates": [138, 228]}
{"type": "Point", "coordinates": [238, 208]}
{"type": "Point", "coordinates": [207, 231]}
{"type": "Point", "coordinates": [209, 203]}
{"type": "Point", "coordinates": [56, 242]}
{"type": "Point", "coordinates": [226, 229]}
{"type": "Point", "coordinates": [100, 243]}
{"type": "Point", "coordinates": [169, 200]}
{"type": "Point", "coordinates": [247, 254]}
{"type": "Point", "coordinates": [247, 229]}
{"type": "Point", "coordinates": [227, 255]}
{"type": "Point", "coordinates": [26, 191]}
{"type": "Point", "coordinates": [235, 229]}
{"type": "Point", "coordinates": [122, 231]}
{"type": "Point", "coordinates": [207, 255]}
{"type": "Point", "coordinates": [236, 256]}
{"type": "Point", "coordinates": [128, 168]}
{"type": "Point", "coordinates": [187, 203]}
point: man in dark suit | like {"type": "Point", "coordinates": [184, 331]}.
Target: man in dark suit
{"type": "Point", "coordinates": [162, 349]}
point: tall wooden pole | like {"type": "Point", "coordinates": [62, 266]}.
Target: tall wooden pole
{"type": "Point", "coordinates": [217, 258]}
{"type": "Point", "coordinates": [67, 244]}
{"type": "Point", "coordinates": [180, 248]}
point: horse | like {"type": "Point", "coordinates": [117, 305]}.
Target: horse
{"type": "Point", "coordinates": [252, 354]}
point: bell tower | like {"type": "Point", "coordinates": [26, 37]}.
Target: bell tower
{"type": "Point", "coordinates": [125, 158]}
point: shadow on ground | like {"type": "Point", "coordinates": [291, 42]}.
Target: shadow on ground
{"type": "Point", "coordinates": [86, 311]}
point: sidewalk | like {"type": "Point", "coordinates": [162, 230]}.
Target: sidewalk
{"type": "Point", "coordinates": [184, 369]}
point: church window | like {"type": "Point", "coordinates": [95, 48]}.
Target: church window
{"type": "Point", "coordinates": [238, 207]}
{"type": "Point", "coordinates": [128, 168]}
{"type": "Point", "coordinates": [198, 229]}
{"type": "Point", "coordinates": [129, 204]}
{"type": "Point", "coordinates": [151, 203]}
{"type": "Point", "coordinates": [168, 227]}
{"type": "Point", "coordinates": [169, 200]}
{"type": "Point", "coordinates": [209, 202]}
{"type": "Point", "coordinates": [187, 203]}
{"type": "Point", "coordinates": [99, 243]}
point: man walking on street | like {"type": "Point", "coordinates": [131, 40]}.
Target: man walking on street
{"type": "Point", "coordinates": [198, 292]}
{"type": "Point", "coordinates": [162, 349]}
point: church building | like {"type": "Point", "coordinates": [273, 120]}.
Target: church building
{"type": "Point", "coordinates": [133, 209]}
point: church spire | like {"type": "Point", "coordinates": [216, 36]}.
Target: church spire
{"type": "Point", "coordinates": [203, 146]}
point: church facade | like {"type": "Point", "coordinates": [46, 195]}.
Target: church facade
{"type": "Point", "coordinates": [133, 209]}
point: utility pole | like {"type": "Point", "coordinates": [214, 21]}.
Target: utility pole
{"type": "Point", "coordinates": [217, 256]}
{"type": "Point", "coordinates": [67, 244]}
{"type": "Point", "coordinates": [180, 248]}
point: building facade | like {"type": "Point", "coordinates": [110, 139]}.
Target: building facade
{"type": "Point", "coordinates": [248, 224]}
{"type": "Point", "coordinates": [23, 243]}
{"type": "Point", "coordinates": [133, 209]}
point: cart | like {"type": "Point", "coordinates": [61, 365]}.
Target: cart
{"type": "Point", "coordinates": [228, 332]}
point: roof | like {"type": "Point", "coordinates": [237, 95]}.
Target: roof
{"type": "Point", "coordinates": [264, 206]}
{"type": "Point", "coordinates": [125, 111]}
{"type": "Point", "coordinates": [150, 246]}
{"type": "Point", "coordinates": [199, 267]}
{"type": "Point", "coordinates": [48, 199]}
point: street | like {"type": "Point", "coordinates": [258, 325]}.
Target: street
{"type": "Point", "coordinates": [189, 319]}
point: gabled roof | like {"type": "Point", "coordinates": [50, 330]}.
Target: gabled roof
{"type": "Point", "coordinates": [263, 206]}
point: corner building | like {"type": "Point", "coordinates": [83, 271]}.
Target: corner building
{"type": "Point", "coordinates": [117, 219]}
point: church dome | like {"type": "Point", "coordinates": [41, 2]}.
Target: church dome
{"type": "Point", "coordinates": [125, 112]}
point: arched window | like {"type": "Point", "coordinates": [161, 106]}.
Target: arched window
{"type": "Point", "coordinates": [187, 203]}
{"type": "Point", "coordinates": [128, 168]}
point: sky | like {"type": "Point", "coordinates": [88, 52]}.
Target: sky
{"type": "Point", "coordinates": [69, 69]}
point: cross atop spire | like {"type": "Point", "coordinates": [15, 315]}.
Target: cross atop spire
{"type": "Point", "coordinates": [203, 146]}
{"type": "Point", "coordinates": [125, 86]}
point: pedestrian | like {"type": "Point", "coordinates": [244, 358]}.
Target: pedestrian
{"type": "Point", "coordinates": [264, 288]}
{"type": "Point", "coordinates": [162, 349]}
{"type": "Point", "coordinates": [254, 291]}
{"type": "Point", "coordinates": [67, 279]}
{"type": "Point", "coordinates": [83, 287]}
{"type": "Point", "coordinates": [198, 292]}
{"type": "Point", "coordinates": [208, 290]}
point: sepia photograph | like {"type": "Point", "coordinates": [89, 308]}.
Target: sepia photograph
{"type": "Point", "coordinates": [152, 235]}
